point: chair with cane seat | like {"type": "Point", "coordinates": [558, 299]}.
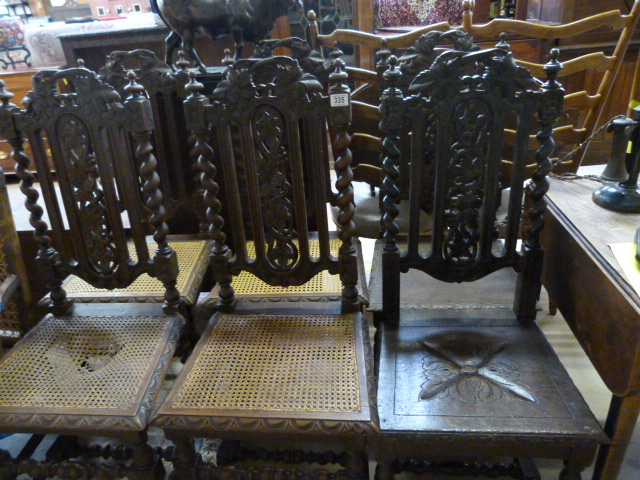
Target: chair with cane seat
{"type": "Point", "coordinates": [275, 377]}
{"type": "Point", "coordinates": [90, 370]}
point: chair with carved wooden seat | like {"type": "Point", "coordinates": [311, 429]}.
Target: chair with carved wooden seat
{"type": "Point", "coordinates": [91, 370]}
{"type": "Point", "coordinates": [462, 386]}
{"type": "Point", "coordinates": [15, 294]}
{"type": "Point", "coordinates": [276, 377]}
{"type": "Point", "coordinates": [165, 89]}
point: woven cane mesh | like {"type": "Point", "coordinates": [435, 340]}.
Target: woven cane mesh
{"type": "Point", "coordinates": [248, 284]}
{"type": "Point", "coordinates": [81, 362]}
{"type": "Point", "coordinates": [144, 285]}
{"type": "Point", "coordinates": [276, 362]}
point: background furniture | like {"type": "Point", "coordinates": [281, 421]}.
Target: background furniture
{"type": "Point", "coordinates": [587, 284]}
{"type": "Point", "coordinates": [15, 294]}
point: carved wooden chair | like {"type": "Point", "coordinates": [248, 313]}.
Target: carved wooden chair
{"type": "Point", "coordinates": [460, 385]}
{"type": "Point", "coordinates": [326, 285]}
{"type": "Point", "coordinates": [267, 375]}
{"type": "Point", "coordinates": [15, 294]}
{"type": "Point", "coordinates": [90, 369]}
{"type": "Point", "coordinates": [176, 176]}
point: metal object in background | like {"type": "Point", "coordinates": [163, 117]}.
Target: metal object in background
{"type": "Point", "coordinates": [624, 196]}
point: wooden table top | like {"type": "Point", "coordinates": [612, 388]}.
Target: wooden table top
{"type": "Point", "coordinates": [597, 227]}
{"type": "Point", "coordinates": [587, 284]}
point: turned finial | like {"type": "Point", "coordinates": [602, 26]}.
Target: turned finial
{"type": "Point", "coordinates": [392, 75]}
{"type": "Point", "coordinates": [503, 42]}
{"type": "Point", "coordinates": [133, 89]}
{"type": "Point", "coordinates": [81, 63]}
{"type": "Point", "coordinates": [311, 15]}
{"type": "Point", "coordinates": [228, 59]}
{"type": "Point", "coordinates": [553, 66]}
{"type": "Point", "coordinates": [194, 87]}
{"type": "Point", "coordinates": [5, 95]}
{"type": "Point", "coordinates": [182, 63]}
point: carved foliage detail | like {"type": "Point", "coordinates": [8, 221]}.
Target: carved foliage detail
{"type": "Point", "coordinates": [466, 170]}
{"type": "Point", "coordinates": [80, 164]}
{"type": "Point", "coordinates": [470, 371]}
{"type": "Point", "coordinates": [272, 161]}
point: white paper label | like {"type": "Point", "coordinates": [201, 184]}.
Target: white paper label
{"type": "Point", "coordinates": [339, 99]}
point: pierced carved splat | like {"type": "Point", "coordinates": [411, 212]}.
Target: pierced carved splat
{"type": "Point", "coordinates": [274, 177]}
{"type": "Point", "coordinates": [465, 180]}
{"type": "Point", "coordinates": [82, 171]}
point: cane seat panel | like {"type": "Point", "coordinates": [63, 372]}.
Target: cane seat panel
{"type": "Point", "coordinates": [292, 372]}
{"type": "Point", "coordinates": [193, 259]}
{"type": "Point", "coordinates": [74, 371]}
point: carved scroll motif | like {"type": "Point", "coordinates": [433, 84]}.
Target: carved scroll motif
{"type": "Point", "coordinates": [466, 181]}
{"type": "Point", "coordinates": [272, 160]}
{"type": "Point", "coordinates": [80, 162]}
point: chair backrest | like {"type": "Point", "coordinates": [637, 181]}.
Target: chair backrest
{"type": "Point", "coordinates": [463, 102]}
{"type": "Point", "coordinates": [14, 312]}
{"type": "Point", "coordinates": [165, 88]}
{"type": "Point", "coordinates": [101, 174]}
{"type": "Point", "coordinates": [279, 116]}
{"type": "Point", "coordinates": [583, 106]}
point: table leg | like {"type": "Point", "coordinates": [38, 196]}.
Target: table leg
{"type": "Point", "coordinates": [621, 420]}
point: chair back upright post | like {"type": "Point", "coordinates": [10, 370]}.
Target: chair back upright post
{"type": "Point", "coordinates": [465, 98]}
{"type": "Point", "coordinates": [278, 114]}
{"type": "Point", "coordinates": [100, 173]}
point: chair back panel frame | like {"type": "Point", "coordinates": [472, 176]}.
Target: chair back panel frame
{"type": "Point", "coordinates": [467, 95]}
{"type": "Point", "coordinates": [88, 132]}
{"type": "Point", "coordinates": [278, 113]}
{"type": "Point", "coordinates": [166, 90]}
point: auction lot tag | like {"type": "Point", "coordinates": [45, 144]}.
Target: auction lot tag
{"type": "Point", "coordinates": [339, 99]}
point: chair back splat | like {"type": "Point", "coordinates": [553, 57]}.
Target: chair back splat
{"type": "Point", "coordinates": [278, 114]}
{"type": "Point", "coordinates": [463, 101]}
{"type": "Point", "coordinates": [86, 133]}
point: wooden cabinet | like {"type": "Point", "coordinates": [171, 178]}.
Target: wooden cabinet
{"type": "Point", "coordinates": [18, 83]}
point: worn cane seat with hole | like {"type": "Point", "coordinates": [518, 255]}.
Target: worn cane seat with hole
{"type": "Point", "coordinates": [90, 370]}
{"type": "Point", "coordinates": [298, 373]}
{"type": "Point", "coordinates": [325, 287]}
{"type": "Point", "coordinates": [193, 260]}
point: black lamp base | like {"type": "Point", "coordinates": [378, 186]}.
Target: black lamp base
{"type": "Point", "coordinates": [617, 198]}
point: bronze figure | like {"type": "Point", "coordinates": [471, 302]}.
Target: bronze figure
{"type": "Point", "coordinates": [250, 20]}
